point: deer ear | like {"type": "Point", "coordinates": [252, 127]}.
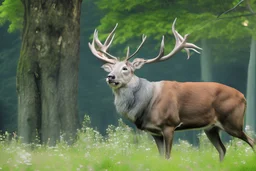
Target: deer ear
{"type": "Point", "coordinates": [138, 63]}
{"type": "Point", "coordinates": [107, 67]}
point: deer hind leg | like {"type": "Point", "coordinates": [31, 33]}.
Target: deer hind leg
{"type": "Point", "coordinates": [233, 125]}
{"type": "Point", "coordinates": [239, 133]}
{"type": "Point", "coordinates": [247, 139]}
{"type": "Point", "coordinates": [214, 137]}
{"type": "Point", "coordinates": [159, 143]}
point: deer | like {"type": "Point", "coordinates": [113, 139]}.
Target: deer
{"type": "Point", "coordinates": [163, 107]}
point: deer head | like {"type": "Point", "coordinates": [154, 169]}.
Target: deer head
{"type": "Point", "coordinates": [121, 72]}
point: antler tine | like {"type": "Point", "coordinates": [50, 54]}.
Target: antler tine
{"type": "Point", "coordinates": [110, 37]}
{"type": "Point", "coordinates": [180, 43]}
{"type": "Point", "coordinates": [128, 52]}
{"type": "Point", "coordinates": [98, 54]}
{"type": "Point", "coordinates": [160, 54]}
{"type": "Point", "coordinates": [189, 46]}
{"type": "Point", "coordinates": [142, 42]}
{"type": "Point", "coordinates": [96, 39]}
{"type": "Point", "coordinates": [104, 47]}
{"type": "Point", "coordinates": [101, 51]}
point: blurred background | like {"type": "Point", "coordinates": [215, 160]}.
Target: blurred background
{"type": "Point", "coordinates": [228, 41]}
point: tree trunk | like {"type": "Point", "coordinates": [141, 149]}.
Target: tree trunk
{"type": "Point", "coordinates": [47, 75]}
{"type": "Point", "coordinates": [206, 62]}
{"type": "Point", "coordinates": [251, 88]}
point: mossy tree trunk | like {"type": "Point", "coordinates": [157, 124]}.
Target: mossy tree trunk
{"type": "Point", "coordinates": [47, 75]}
{"type": "Point", "coordinates": [251, 88]}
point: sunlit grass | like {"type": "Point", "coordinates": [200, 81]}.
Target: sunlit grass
{"type": "Point", "coordinates": [122, 150]}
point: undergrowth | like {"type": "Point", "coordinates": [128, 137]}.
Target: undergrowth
{"type": "Point", "coordinates": [122, 150]}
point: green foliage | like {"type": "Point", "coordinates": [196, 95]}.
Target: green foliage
{"type": "Point", "coordinates": [154, 19]}
{"type": "Point", "coordinates": [12, 11]}
{"type": "Point", "coordinates": [121, 150]}
{"type": "Point", "coordinates": [198, 18]}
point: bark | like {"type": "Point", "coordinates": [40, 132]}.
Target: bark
{"type": "Point", "coordinates": [206, 62]}
{"type": "Point", "coordinates": [251, 91]}
{"type": "Point", "coordinates": [47, 75]}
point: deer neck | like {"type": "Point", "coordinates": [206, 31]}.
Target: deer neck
{"type": "Point", "coordinates": [132, 99]}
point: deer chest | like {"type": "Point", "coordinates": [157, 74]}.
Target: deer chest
{"type": "Point", "coordinates": [125, 106]}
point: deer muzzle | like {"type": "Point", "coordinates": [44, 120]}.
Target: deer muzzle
{"type": "Point", "coordinates": [111, 80]}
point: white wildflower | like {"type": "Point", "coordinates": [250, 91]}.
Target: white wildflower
{"type": "Point", "coordinates": [24, 157]}
{"type": "Point", "coordinates": [243, 162]}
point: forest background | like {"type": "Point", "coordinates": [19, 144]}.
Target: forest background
{"type": "Point", "coordinates": [228, 56]}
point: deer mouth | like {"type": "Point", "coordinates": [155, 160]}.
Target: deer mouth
{"type": "Point", "coordinates": [112, 82]}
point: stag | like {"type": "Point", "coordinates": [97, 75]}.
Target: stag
{"type": "Point", "coordinates": [163, 107]}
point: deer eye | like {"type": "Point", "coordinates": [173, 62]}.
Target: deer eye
{"type": "Point", "coordinates": [125, 68]}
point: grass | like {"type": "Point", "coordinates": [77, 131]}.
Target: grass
{"type": "Point", "coordinates": [122, 150]}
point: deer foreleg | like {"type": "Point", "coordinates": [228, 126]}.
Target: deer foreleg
{"type": "Point", "coordinates": [168, 137]}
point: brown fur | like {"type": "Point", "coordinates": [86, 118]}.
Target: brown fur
{"type": "Point", "coordinates": [190, 105]}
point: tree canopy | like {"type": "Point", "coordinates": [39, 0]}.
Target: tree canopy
{"type": "Point", "coordinates": [155, 17]}
{"type": "Point", "coordinates": [198, 18]}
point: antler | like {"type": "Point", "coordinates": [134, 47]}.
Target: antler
{"type": "Point", "coordinates": [179, 45]}
{"type": "Point", "coordinates": [103, 47]}
{"type": "Point", "coordinates": [102, 53]}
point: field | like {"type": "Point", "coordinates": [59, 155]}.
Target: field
{"type": "Point", "coordinates": [122, 150]}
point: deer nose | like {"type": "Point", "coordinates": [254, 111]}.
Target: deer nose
{"type": "Point", "coordinates": [111, 77]}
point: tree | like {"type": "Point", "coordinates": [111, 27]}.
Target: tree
{"type": "Point", "coordinates": [251, 84]}
{"type": "Point", "coordinates": [251, 78]}
{"type": "Point", "coordinates": [245, 13]}
{"type": "Point", "coordinates": [47, 74]}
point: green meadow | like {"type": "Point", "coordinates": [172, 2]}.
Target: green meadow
{"type": "Point", "coordinates": [122, 150]}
